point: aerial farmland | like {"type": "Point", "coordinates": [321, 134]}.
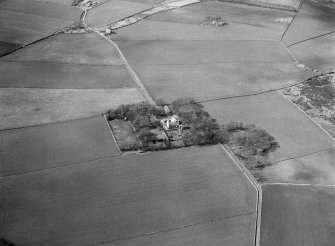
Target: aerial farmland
{"type": "Point", "coordinates": [167, 122]}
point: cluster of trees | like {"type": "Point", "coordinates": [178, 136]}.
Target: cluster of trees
{"type": "Point", "coordinates": [143, 118]}
{"type": "Point", "coordinates": [251, 145]}
{"type": "Point", "coordinates": [203, 129]}
{"type": "Point", "coordinates": [248, 142]}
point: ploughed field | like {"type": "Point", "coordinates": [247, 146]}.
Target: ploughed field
{"type": "Point", "coordinates": [180, 196]}
{"type": "Point", "coordinates": [67, 183]}
{"type": "Point", "coordinates": [23, 22]}
{"type": "Point", "coordinates": [298, 215]}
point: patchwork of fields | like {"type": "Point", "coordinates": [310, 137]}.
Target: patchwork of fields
{"type": "Point", "coordinates": [129, 196]}
{"type": "Point", "coordinates": [64, 181]}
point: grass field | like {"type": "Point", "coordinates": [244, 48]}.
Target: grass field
{"type": "Point", "coordinates": [69, 48]}
{"type": "Point", "coordinates": [316, 53]}
{"type": "Point", "coordinates": [245, 23]}
{"type": "Point", "coordinates": [64, 76]}
{"type": "Point", "coordinates": [113, 11]}
{"type": "Point", "coordinates": [54, 145]}
{"type": "Point", "coordinates": [236, 231]}
{"type": "Point", "coordinates": [26, 107]}
{"type": "Point", "coordinates": [23, 22]}
{"type": "Point", "coordinates": [45, 8]}
{"type": "Point", "coordinates": [128, 196]}
{"type": "Point", "coordinates": [161, 30]}
{"type": "Point", "coordinates": [199, 52]}
{"type": "Point", "coordinates": [312, 20]}
{"type": "Point", "coordinates": [298, 216]}
{"type": "Point", "coordinates": [318, 168]}
{"type": "Point", "coordinates": [213, 81]}
{"type": "Point", "coordinates": [296, 133]}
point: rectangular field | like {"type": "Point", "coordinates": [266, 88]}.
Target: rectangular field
{"type": "Point", "coordinates": [296, 133]}
{"type": "Point", "coordinates": [21, 107]}
{"type": "Point", "coordinates": [47, 146]}
{"type": "Point", "coordinates": [235, 231]}
{"type": "Point", "coordinates": [64, 76]}
{"type": "Point", "coordinates": [129, 196]}
{"type": "Point", "coordinates": [88, 48]}
{"type": "Point", "coordinates": [297, 215]}
{"type": "Point", "coordinates": [214, 81]}
{"type": "Point", "coordinates": [113, 11]}
{"type": "Point", "coordinates": [199, 52]}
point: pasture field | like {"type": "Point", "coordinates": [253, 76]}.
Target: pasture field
{"type": "Point", "coordinates": [129, 196]}
{"type": "Point", "coordinates": [213, 81]}
{"type": "Point", "coordinates": [20, 107]}
{"type": "Point", "coordinates": [54, 145]}
{"type": "Point", "coordinates": [18, 37]}
{"type": "Point", "coordinates": [297, 215]}
{"type": "Point", "coordinates": [316, 53]}
{"type": "Point", "coordinates": [161, 30]}
{"type": "Point", "coordinates": [46, 9]}
{"type": "Point", "coordinates": [199, 52]}
{"type": "Point", "coordinates": [235, 231]}
{"type": "Point", "coordinates": [113, 11]}
{"type": "Point", "coordinates": [318, 168]}
{"type": "Point", "coordinates": [69, 48]}
{"type": "Point", "coordinates": [64, 76]}
{"type": "Point", "coordinates": [245, 23]}
{"type": "Point", "coordinates": [296, 134]}
{"type": "Point", "coordinates": [312, 20]}
{"type": "Point", "coordinates": [23, 22]}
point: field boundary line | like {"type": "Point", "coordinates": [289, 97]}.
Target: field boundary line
{"type": "Point", "coordinates": [257, 187]}
{"type": "Point", "coordinates": [301, 156]}
{"type": "Point", "coordinates": [288, 26]}
{"type": "Point", "coordinates": [325, 34]}
{"type": "Point", "coordinates": [309, 117]}
{"type": "Point", "coordinates": [129, 68]}
{"type": "Point", "coordinates": [49, 123]}
{"type": "Point", "coordinates": [201, 222]}
{"type": "Point", "coordinates": [290, 53]}
{"type": "Point", "coordinates": [111, 131]}
{"type": "Point", "coordinates": [63, 166]}
{"type": "Point", "coordinates": [262, 92]}
{"type": "Point", "coordinates": [293, 184]}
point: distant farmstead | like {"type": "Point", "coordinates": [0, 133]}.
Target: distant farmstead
{"type": "Point", "coordinates": [171, 123]}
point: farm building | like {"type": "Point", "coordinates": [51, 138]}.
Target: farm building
{"type": "Point", "coordinates": [171, 123]}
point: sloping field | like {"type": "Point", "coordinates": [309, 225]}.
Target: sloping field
{"type": "Point", "coordinates": [318, 168]}
{"type": "Point", "coordinates": [62, 75]}
{"type": "Point", "coordinates": [54, 145]}
{"type": "Point", "coordinates": [277, 4]}
{"type": "Point", "coordinates": [23, 22]}
{"type": "Point", "coordinates": [161, 30]}
{"type": "Point", "coordinates": [313, 19]}
{"type": "Point", "coordinates": [21, 107]}
{"type": "Point", "coordinates": [198, 52]}
{"type": "Point", "coordinates": [245, 23]}
{"type": "Point", "coordinates": [236, 231]}
{"type": "Point", "coordinates": [296, 133]}
{"type": "Point", "coordinates": [42, 8]}
{"type": "Point", "coordinates": [214, 81]}
{"type": "Point", "coordinates": [6, 47]}
{"type": "Point", "coordinates": [113, 11]}
{"type": "Point", "coordinates": [127, 196]}
{"type": "Point", "coordinates": [69, 48]}
{"type": "Point", "coordinates": [317, 53]}
{"type": "Point", "coordinates": [298, 216]}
